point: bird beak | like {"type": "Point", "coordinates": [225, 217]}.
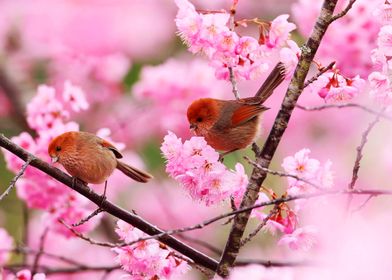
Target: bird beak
{"type": "Point", "coordinates": [55, 159]}
{"type": "Point", "coordinates": [192, 126]}
{"type": "Point", "coordinates": [265, 108]}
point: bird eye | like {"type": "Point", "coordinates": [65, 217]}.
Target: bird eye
{"type": "Point", "coordinates": [58, 149]}
{"type": "Point", "coordinates": [199, 119]}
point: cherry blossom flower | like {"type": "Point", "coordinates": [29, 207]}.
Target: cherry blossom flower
{"type": "Point", "coordinates": [303, 238]}
{"type": "Point", "coordinates": [25, 274]}
{"type": "Point", "coordinates": [308, 169]}
{"type": "Point", "coordinates": [44, 111]}
{"type": "Point", "coordinates": [384, 40]}
{"type": "Point", "coordinates": [381, 90]}
{"type": "Point", "coordinates": [333, 87]}
{"type": "Point", "coordinates": [75, 97]}
{"type": "Point", "coordinates": [289, 56]}
{"type": "Point", "coordinates": [71, 209]}
{"type": "Point", "coordinates": [279, 31]}
{"type": "Point", "coordinates": [301, 165]}
{"type": "Point", "coordinates": [146, 259]}
{"type": "Point", "coordinates": [195, 165]}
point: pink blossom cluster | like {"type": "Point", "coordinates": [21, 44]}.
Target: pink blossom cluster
{"type": "Point", "coordinates": [334, 87]}
{"type": "Point", "coordinates": [48, 115]}
{"type": "Point", "coordinates": [196, 166]}
{"type": "Point", "coordinates": [167, 90]}
{"type": "Point", "coordinates": [349, 40]}
{"type": "Point", "coordinates": [148, 259]}
{"type": "Point", "coordinates": [314, 176]}
{"type": "Point", "coordinates": [303, 238]}
{"type": "Point", "coordinates": [380, 80]}
{"type": "Point", "coordinates": [209, 33]}
{"type": "Point", "coordinates": [308, 169]}
{"type": "Point", "coordinates": [25, 274]}
{"type": "Point", "coordinates": [6, 244]}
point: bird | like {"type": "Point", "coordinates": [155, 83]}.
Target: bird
{"type": "Point", "coordinates": [231, 125]}
{"type": "Point", "coordinates": [90, 158]}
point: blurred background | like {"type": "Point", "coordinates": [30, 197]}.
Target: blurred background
{"type": "Point", "coordinates": [139, 78]}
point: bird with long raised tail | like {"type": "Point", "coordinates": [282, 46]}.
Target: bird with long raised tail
{"type": "Point", "coordinates": [230, 125]}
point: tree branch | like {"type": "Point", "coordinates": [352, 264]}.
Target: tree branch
{"type": "Point", "coordinates": [344, 12]}
{"type": "Point", "coordinates": [345, 105]}
{"type": "Point", "coordinates": [15, 179]}
{"type": "Point", "coordinates": [114, 210]}
{"type": "Point", "coordinates": [321, 71]}
{"type": "Point", "coordinates": [294, 90]}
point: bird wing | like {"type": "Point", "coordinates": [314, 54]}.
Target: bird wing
{"type": "Point", "coordinates": [246, 112]}
{"type": "Point", "coordinates": [108, 145]}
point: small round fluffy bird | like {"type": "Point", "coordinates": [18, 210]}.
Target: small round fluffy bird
{"type": "Point", "coordinates": [230, 125]}
{"type": "Point", "coordinates": [90, 158]}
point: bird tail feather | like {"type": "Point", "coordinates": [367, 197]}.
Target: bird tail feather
{"type": "Point", "coordinates": [274, 79]}
{"type": "Point", "coordinates": [134, 173]}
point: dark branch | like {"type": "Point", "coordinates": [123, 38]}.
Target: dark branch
{"type": "Point", "coordinates": [344, 12]}
{"type": "Point", "coordinates": [109, 207]}
{"type": "Point", "coordinates": [264, 158]}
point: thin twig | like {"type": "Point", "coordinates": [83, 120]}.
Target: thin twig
{"type": "Point", "coordinates": [25, 232]}
{"type": "Point", "coordinates": [344, 105]}
{"type": "Point", "coordinates": [40, 251]}
{"type": "Point", "coordinates": [64, 270]}
{"type": "Point", "coordinates": [357, 163]}
{"type": "Point", "coordinates": [344, 12]}
{"type": "Point", "coordinates": [28, 251]}
{"type": "Point", "coordinates": [260, 226]}
{"type": "Point", "coordinates": [259, 205]}
{"type": "Point", "coordinates": [15, 179]}
{"type": "Point", "coordinates": [274, 263]}
{"type": "Point", "coordinates": [90, 240]}
{"type": "Point", "coordinates": [359, 208]}
{"type": "Point", "coordinates": [84, 220]}
{"type": "Point", "coordinates": [281, 174]}
{"type": "Point", "coordinates": [234, 83]}
{"type": "Point", "coordinates": [359, 149]}
{"type": "Point", "coordinates": [231, 72]}
{"type": "Point", "coordinates": [321, 71]}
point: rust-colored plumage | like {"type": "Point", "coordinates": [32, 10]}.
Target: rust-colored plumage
{"type": "Point", "coordinates": [90, 158]}
{"type": "Point", "coordinates": [229, 125]}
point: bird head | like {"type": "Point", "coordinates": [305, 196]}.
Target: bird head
{"type": "Point", "coordinates": [58, 145]}
{"type": "Point", "coordinates": [202, 114]}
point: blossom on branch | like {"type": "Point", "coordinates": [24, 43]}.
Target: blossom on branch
{"type": "Point", "coordinates": [334, 87]}
{"type": "Point", "coordinates": [196, 166]}
{"type": "Point", "coordinates": [209, 33]}
{"type": "Point", "coordinates": [148, 259]}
